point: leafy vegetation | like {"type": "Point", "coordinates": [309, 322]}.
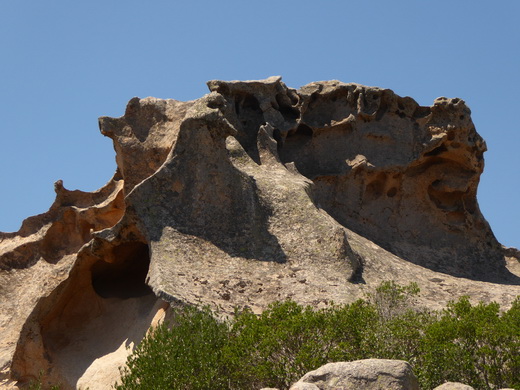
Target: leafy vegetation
{"type": "Point", "coordinates": [37, 384]}
{"type": "Point", "coordinates": [477, 345]}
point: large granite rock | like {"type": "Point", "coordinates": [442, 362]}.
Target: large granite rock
{"type": "Point", "coordinates": [369, 374]}
{"type": "Point", "coordinates": [253, 193]}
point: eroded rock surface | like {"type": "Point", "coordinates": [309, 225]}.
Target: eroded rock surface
{"type": "Point", "coordinates": [253, 193]}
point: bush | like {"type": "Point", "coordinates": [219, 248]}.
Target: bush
{"type": "Point", "coordinates": [473, 344]}
{"type": "Point", "coordinates": [186, 355]}
{"type": "Point", "coordinates": [391, 299]}
{"type": "Point", "coordinates": [271, 349]}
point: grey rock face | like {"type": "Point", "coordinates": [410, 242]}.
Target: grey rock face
{"type": "Point", "coordinates": [369, 374]}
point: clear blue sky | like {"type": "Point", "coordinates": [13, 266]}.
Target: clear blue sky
{"type": "Point", "coordinates": [65, 63]}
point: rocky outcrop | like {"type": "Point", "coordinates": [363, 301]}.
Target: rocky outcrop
{"type": "Point", "coordinates": [253, 193]}
{"type": "Point", "coordinates": [369, 374]}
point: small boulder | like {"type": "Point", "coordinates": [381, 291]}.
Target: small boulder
{"type": "Point", "coordinates": [453, 386]}
{"type": "Point", "coordinates": [369, 374]}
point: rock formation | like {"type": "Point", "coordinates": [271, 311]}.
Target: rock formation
{"type": "Point", "coordinates": [253, 193]}
{"type": "Point", "coordinates": [368, 374]}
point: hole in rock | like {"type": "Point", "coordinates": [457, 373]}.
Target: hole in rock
{"type": "Point", "coordinates": [451, 135]}
{"type": "Point", "coordinates": [314, 97]}
{"type": "Point", "coordinates": [449, 201]}
{"type": "Point", "coordinates": [375, 188]}
{"type": "Point", "coordinates": [301, 130]}
{"type": "Point", "coordinates": [421, 112]}
{"type": "Point", "coordinates": [77, 332]}
{"type": "Point", "coordinates": [437, 151]}
{"type": "Point", "coordinates": [125, 277]}
{"type": "Point", "coordinates": [251, 103]}
{"type": "Point", "coordinates": [391, 192]}
{"type": "Point", "coordinates": [250, 116]}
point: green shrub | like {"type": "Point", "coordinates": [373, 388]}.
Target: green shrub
{"type": "Point", "coordinates": [477, 345]}
{"type": "Point", "coordinates": [398, 325]}
{"type": "Point", "coordinates": [274, 348]}
{"type": "Point", "coordinates": [392, 299]}
{"type": "Point", "coordinates": [186, 355]}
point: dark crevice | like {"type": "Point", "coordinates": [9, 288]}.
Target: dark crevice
{"type": "Point", "coordinates": [436, 151]}
{"type": "Point", "coordinates": [451, 135]}
{"type": "Point", "coordinates": [421, 112]}
{"type": "Point", "coordinates": [302, 130]}
{"type": "Point", "coordinates": [391, 192]}
{"type": "Point", "coordinates": [250, 103]}
{"type": "Point", "coordinates": [289, 112]}
{"type": "Point", "coordinates": [357, 275]}
{"type": "Point", "coordinates": [293, 96]}
{"type": "Point", "coordinates": [250, 117]}
{"type": "Point", "coordinates": [365, 101]}
{"type": "Point", "coordinates": [383, 108]}
{"type": "Point", "coordinates": [277, 135]}
{"type": "Point", "coordinates": [125, 277]}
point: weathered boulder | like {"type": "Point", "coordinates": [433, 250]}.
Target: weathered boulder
{"type": "Point", "coordinates": [369, 374]}
{"type": "Point", "coordinates": [253, 193]}
{"type": "Point", "coordinates": [453, 386]}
